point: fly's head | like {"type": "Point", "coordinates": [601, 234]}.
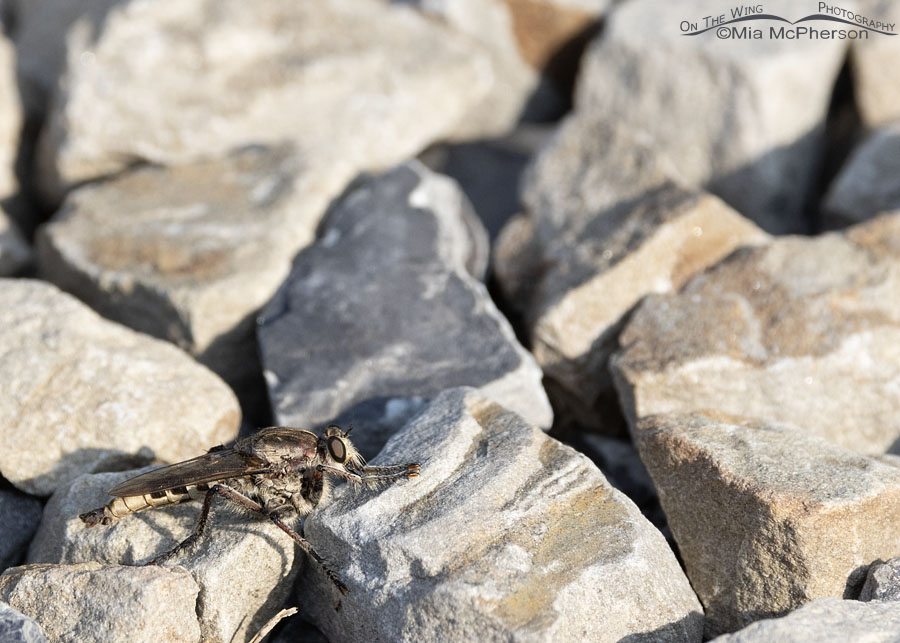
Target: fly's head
{"type": "Point", "coordinates": [336, 450]}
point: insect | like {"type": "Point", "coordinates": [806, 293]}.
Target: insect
{"type": "Point", "coordinates": [279, 472]}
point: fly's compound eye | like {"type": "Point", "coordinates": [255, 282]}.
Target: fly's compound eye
{"type": "Point", "coordinates": [338, 449]}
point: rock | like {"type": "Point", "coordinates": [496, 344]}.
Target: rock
{"type": "Point", "coordinates": [777, 333]}
{"type": "Point", "coordinates": [354, 84]}
{"type": "Point", "coordinates": [15, 254]}
{"type": "Point", "coordinates": [188, 253]}
{"type": "Point", "coordinates": [768, 518]}
{"type": "Point", "coordinates": [882, 582]}
{"type": "Point", "coordinates": [93, 602]}
{"type": "Point", "coordinates": [732, 120]}
{"type": "Point", "coordinates": [876, 78]}
{"type": "Point", "coordinates": [15, 627]}
{"type": "Point", "coordinates": [507, 535]}
{"type": "Point", "coordinates": [83, 394]}
{"type": "Point", "coordinates": [868, 184]}
{"type": "Point", "coordinates": [244, 566]}
{"type": "Point", "coordinates": [10, 129]}
{"type": "Point", "coordinates": [20, 516]}
{"type": "Point", "coordinates": [379, 315]}
{"type": "Point", "coordinates": [583, 281]}
{"type": "Point", "coordinates": [534, 48]}
{"type": "Point", "coordinates": [827, 620]}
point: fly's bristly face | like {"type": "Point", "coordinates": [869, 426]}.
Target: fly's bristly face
{"type": "Point", "coordinates": [335, 449]}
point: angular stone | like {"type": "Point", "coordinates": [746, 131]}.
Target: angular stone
{"type": "Point", "coordinates": [869, 183]}
{"type": "Point", "coordinates": [81, 394]}
{"type": "Point", "coordinates": [582, 282]}
{"type": "Point", "coordinates": [779, 333]}
{"type": "Point", "coordinates": [768, 518]}
{"type": "Point", "coordinates": [533, 45]}
{"type": "Point", "coordinates": [355, 84]}
{"type": "Point", "coordinates": [876, 77]}
{"type": "Point", "coordinates": [10, 125]}
{"type": "Point", "coordinates": [379, 315]}
{"type": "Point", "coordinates": [827, 620]}
{"type": "Point", "coordinates": [882, 582]}
{"type": "Point", "coordinates": [244, 566]}
{"type": "Point", "coordinates": [15, 254]}
{"type": "Point", "coordinates": [731, 120]}
{"type": "Point", "coordinates": [188, 253]}
{"type": "Point", "coordinates": [93, 602]}
{"type": "Point", "coordinates": [15, 627]}
{"type": "Point", "coordinates": [507, 535]}
{"type": "Point", "coordinates": [20, 516]}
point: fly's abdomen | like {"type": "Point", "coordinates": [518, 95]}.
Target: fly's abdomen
{"type": "Point", "coordinates": [123, 506]}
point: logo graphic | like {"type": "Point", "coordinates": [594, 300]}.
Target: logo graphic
{"type": "Point", "coordinates": [743, 23]}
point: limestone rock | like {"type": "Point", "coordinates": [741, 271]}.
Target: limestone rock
{"type": "Point", "coordinates": [356, 84]}
{"type": "Point", "coordinates": [10, 126]}
{"type": "Point", "coordinates": [81, 394]}
{"type": "Point", "coordinates": [869, 183]}
{"type": "Point", "coordinates": [768, 518]}
{"type": "Point", "coordinates": [827, 620]}
{"type": "Point", "coordinates": [507, 535]}
{"type": "Point", "coordinates": [379, 315]}
{"type": "Point", "coordinates": [876, 76]}
{"type": "Point", "coordinates": [779, 333]}
{"type": "Point", "coordinates": [742, 118]}
{"type": "Point", "coordinates": [584, 280]}
{"type": "Point", "coordinates": [244, 566]}
{"type": "Point", "coordinates": [91, 602]}
{"type": "Point", "coordinates": [15, 627]}
{"type": "Point", "coordinates": [882, 582]}
{"type": "Point", "coordinates": [20, 516]}
{"type": "Point", "coordinates": [188, 253]}
{"type": "Point", "coordinates": [15, 254]}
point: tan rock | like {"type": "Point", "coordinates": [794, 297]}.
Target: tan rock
{"type": "Point", "coordinates": [802, 333]}
{"type": "Point", "coordinates": [768, 518]}
{"type": "Point", "coordinates": [10, 120]}
{"type": "Point", "coordinates": [15, 253]}
{"type": "Point", "coordinates": [876, 76]}
{"type": "Point", "coordinates": [78, 393]}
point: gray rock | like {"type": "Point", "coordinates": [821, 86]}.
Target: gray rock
{"type": "Point", "coordinates": [827, 620]}
{"type": "Point", "coordinates": [244, 566]}
{"type": "Point", "coordinates": [189, 253]}
{"type": "Point", "coordinates": [777, 333]}
{"type": "Point", "coordinates": [20, 516]}
{"type": "Point", "coordinates": [10, 128]}
{"type": "Point", "coordinates": [507, 536]}
{"type": "Point", "coordinates": [578, 284]}
{"type": "Point", "coordinates": [379, 315]}
{"type": "Point", "coordinates": [15, 627]}
{"type": "Point", "coordinates": [869, 183]}
{"type": "Point", "coordinates": [882, 582]}
{"type": "Point", "coordinates": [876, 77]}
{"type": "Point", "coordinates": [82, 394]}
{"type": "Point", "coordinates": [15, 254]}
{"type": "Point", "coordinates": [356, 84]}
{"type": "Point", "coordinates": [731, 120]}
{"type": "Point", "coordinates": [91, 602]}
{"type": "Point", "coordinates": [768, 518]}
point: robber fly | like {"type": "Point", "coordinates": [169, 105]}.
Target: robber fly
{"type": "Point", "coordinates": [279, 472]}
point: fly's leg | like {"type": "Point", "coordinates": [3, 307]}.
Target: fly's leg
{"type": "Point", "coordinates": [275, 517]}
{"type": "Point", "coordinates": [190, 541]}
{"type": "Point", "coordinates": [374, 475]}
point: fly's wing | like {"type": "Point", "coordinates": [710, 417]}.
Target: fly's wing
{"type": "Point", "coordinates": [210, 467]}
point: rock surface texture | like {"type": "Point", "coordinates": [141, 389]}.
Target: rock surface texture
{"type": "Point", "coordinates": [875, 72]}
{"type": "Point", "coordinates": [577, 284]}
{"type": "Point", "coordinates": [869, 183]}
{"type": "Point", "coordinates": [382, 313]}
{"type": "Point", "coordinates": [244, 567]}
{"type": "Point", "coordinates": [20, 515]}
{"type": "Point", "coordinates": [507, 535]}
{"type": "Point", "coordinates": [882, 582]}
{"type": "Point", "coordinates": [777, 333]}
{"type": "Point", "coordinates": [367, 84]}
{"type": "Point", "coordinates": [827, 620]}
{"type": "Point", "coordinates": [73, 602]}
{"type": "Point", "coordinates": [15, 627]}
{"type": "Point", "coordinates": [768, 518]}
{"type": "Point", "coordinates": [15, 254]}
{"type": "Point", "coordinates": [79, 393]}
{"type": "Point", "coordinates": [10, 120]}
